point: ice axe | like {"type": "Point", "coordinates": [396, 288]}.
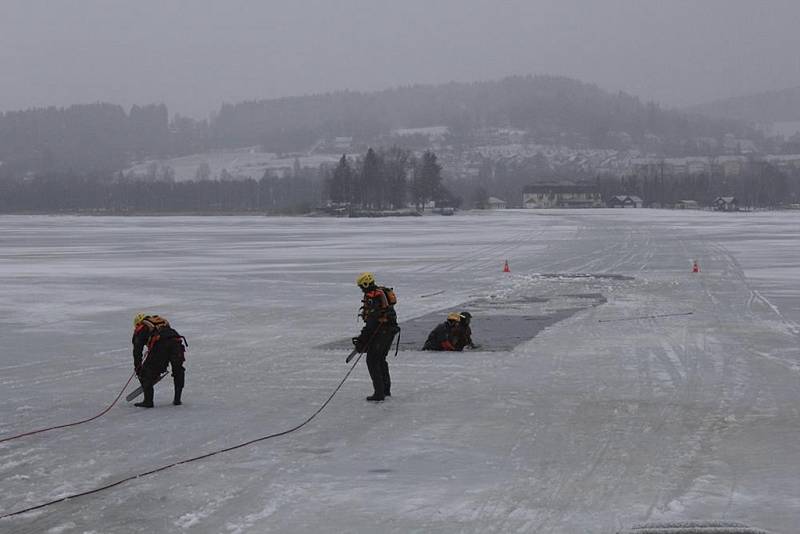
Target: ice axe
{"type": "Point", "coordinates": [138, 391]}
{"type": "Point", "coordinates": [351, 355]}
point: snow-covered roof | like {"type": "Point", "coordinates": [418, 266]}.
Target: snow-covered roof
{"type": "Point", "coordinates": [558, 188]}
{"type": "Point", "coordinates": [623, 198]}
{"type": "Point", "coordinates": [430, 131]}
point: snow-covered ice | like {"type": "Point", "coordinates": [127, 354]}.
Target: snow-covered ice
{"type": "Point", "coordinates": [607, 418]}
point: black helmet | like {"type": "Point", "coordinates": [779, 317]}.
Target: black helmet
{"type": "Point", "coordinates": [465, 317]}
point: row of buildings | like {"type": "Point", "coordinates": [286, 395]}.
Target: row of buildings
{"type": "Point", "coordinates": [727, 165]}
{"type": "Point", "coordinates": [576, 196]}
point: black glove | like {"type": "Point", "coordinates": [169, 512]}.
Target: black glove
{"type": "Point", "coordinates": [359, 344]}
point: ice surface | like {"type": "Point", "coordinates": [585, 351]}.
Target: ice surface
{"type": "Point", "coordinates": [588, 426]}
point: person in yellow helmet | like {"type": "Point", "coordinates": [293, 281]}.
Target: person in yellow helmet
{"type": "Point", "coordinates": [380, 327]}
{"type": "Point", "coordinates": [446, 335]}
{"type": "Point", "coordinates": [165, 347]}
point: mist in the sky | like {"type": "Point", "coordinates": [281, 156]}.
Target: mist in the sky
{"type": "Point", "coordinates": [194, 55]}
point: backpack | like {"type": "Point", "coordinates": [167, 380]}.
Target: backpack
{"type": "Point", "coordinates": [161, 330]}
{"type": "Point", "coordinates": [156, 323]}
{"type": "Point", "coordinates": [385, 315]}
{"type": "Point", "coordinates": [391, 298]}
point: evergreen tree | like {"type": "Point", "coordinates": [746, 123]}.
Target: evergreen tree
{"type": "Point", "coordinates": [427, 180]}
{"type": "Point", "coordinates": [372, 182]}
{"type": "Point", "coordinates": [396, 164]}
{"type": "Point", "coordinates": [203, 172]}
{"type": "Point", "coordinates": [296, 168]}
{"type": "Point", "coordinates": [480, 198]}
{"type": "Point", "coordinates": [341, 183]}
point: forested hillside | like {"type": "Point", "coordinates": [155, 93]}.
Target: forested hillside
{"type": "Point", "coordinates": [771, 106]}
{"type": "Point", "coordinates": [551, 110]}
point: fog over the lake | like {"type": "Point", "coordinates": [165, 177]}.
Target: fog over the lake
{"type": "Point", "coordinates": [195, 54]}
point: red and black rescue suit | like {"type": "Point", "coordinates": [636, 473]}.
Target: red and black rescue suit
{"type": "Point", "coordinates": [380, 327]}
{"type": "Point", "coordinates": [164, 346]}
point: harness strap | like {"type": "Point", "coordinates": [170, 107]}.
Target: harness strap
{"type": "Point", "coordinates": [397, 346]}
{"type": "Point", "coordinates": [151, 342]}
{"type": "Point", "coordinates": [155, 338]}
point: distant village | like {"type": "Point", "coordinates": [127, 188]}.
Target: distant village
{"type": "Point", "coordinates": [583, 196]}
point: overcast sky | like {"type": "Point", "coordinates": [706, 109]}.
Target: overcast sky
{"type": "Point", "coordinates": [195, 54]}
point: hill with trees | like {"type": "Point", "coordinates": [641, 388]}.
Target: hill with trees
{"type": "Point", "coordinates": [550, 110]}
{"type": "Point", "coordinates": [766, 107]}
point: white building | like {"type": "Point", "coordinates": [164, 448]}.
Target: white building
{"type": "Point", "coordinates": [624, 201]}
{"type": "Point", "coordinates": [561, 196]}
{"type": "Point", "coordinates": [495, 203]}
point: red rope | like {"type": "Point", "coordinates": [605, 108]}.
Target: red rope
{"type": "Point", "coordinates": [188, 460]}
{"type": "Point", "coordinates": [32, 432]}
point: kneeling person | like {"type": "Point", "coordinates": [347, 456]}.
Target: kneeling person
{"type": "Point", "coordinates": [446, 335]}
{"type": "Point", "coordinates": [464, 333]}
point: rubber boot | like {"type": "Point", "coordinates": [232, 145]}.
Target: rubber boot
{"type": "Point", "coordinates": [376, 374]}
{"type": "Point", "coordinates": [148, 398]}
{"type": "Point", "coordinates": [178, 381]}
{"type": "Point", "coordinates": [387, 380]}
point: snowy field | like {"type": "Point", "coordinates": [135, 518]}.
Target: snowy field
{"type": "Point", "coordinates": [605, 419]}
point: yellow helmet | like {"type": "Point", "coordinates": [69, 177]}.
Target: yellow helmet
{"type": "Point", "coordinates": [365, 280]}
{"type": "Point", "coordinates": [454, 316]}
{"type": "Point", "coordinates": [138, 318]}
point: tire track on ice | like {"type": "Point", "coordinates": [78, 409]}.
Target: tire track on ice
{"type": "Point", "coordinates": [720, 380]}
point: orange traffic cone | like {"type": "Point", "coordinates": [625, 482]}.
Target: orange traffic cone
{"type": "Point", "coordinates": [695, 267]}
{"type": "Point", "coordinates": [505, 268]}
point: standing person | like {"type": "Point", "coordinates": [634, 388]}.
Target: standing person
{"type": "Point", "coordinates": [445, 335]}
{"type": "Point", "coordinates": [164, 346]}
{"type": "Point", "coordinates": [380, 327]}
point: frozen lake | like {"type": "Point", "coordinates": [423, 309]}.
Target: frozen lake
{"type": "Point", "coordinates": [607, 417]}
